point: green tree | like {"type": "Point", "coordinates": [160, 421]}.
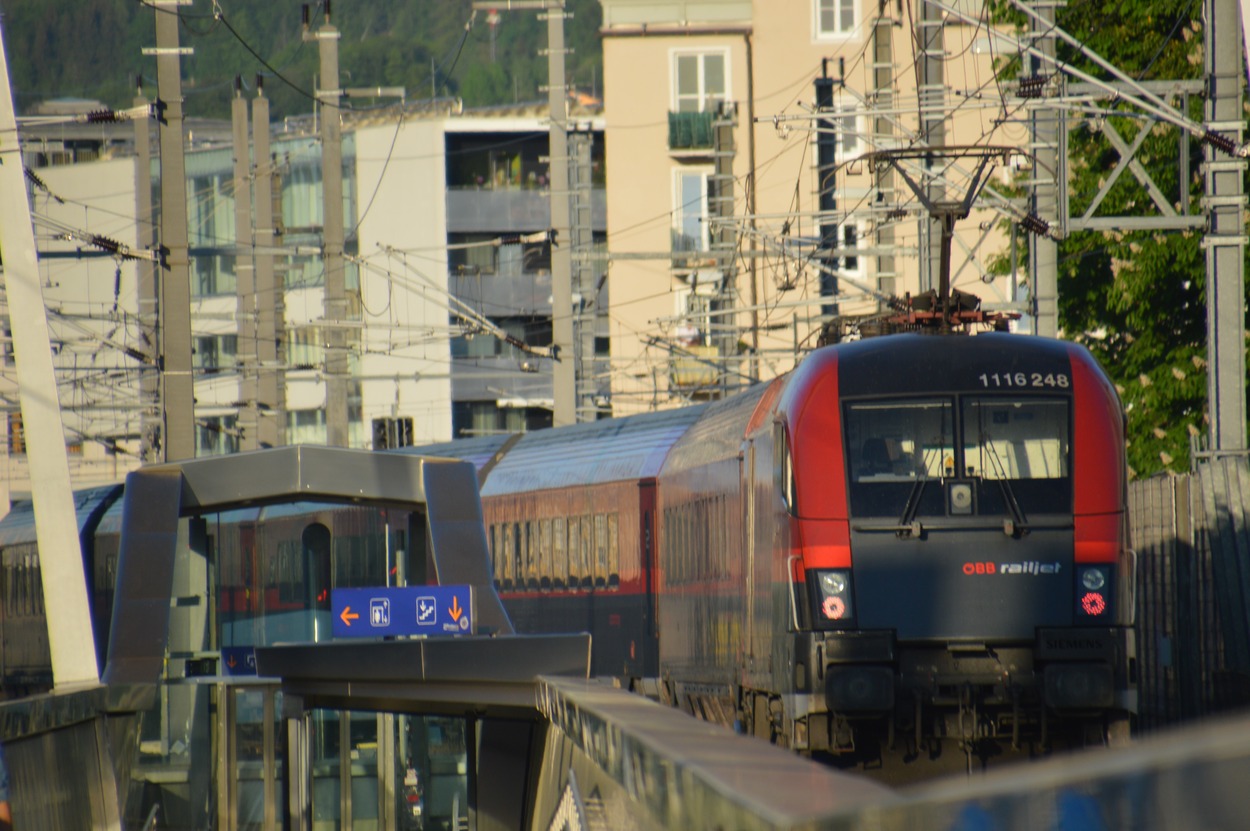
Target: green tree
{"type": "Point", "coordinates": [93, 49]}
{"type": "Point", "coordinates": [1136, 299]}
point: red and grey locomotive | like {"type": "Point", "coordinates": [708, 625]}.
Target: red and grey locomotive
{"type": "Point", "coordinates": [905, 542]}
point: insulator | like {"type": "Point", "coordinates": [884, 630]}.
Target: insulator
{"type": "Point", "coordinates": [1034, 224]}
{"type": "Point", "coordinates": [1032, 87]}
{"type": "Point", "coordinates": [102, 117]}
{"type": "Point", "coordinates": [1220, 142]}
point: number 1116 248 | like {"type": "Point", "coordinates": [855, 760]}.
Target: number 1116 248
{"type": "Point", "coordinates": [1024, 379]}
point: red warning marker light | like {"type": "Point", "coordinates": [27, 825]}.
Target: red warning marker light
{"type": "Point", "coordinates": [1093, 603]}
{"type": "Point", "coordinates": [834, 607]}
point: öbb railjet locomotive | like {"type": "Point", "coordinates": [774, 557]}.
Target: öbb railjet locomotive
{"type": "Point", "coordinates": [909, 542]}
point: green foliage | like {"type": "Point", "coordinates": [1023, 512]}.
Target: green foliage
{"type": "Point", "coordinates": [92, 49]}
{"type": "Point", "coordinates": [1137, 298]}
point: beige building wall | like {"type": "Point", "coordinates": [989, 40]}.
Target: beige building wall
{"type": "Point", "coordinates": [772, 53]}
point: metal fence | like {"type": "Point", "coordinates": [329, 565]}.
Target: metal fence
{"type": "Point", "coordinates": [1193, 577]}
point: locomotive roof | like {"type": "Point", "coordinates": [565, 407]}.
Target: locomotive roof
{"type": "Point", "coordinates": [479, 450]}
{"type": "Point", "coordinates": [918, 363]}
{"type": "Point", "coordinates": [720, 432]}
{"type": "Point", "coordinates": [18, 525]}
{"type": "Point", "coordinates": [609, 450]}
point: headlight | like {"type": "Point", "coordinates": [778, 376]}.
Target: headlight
{"type": "Point", "coordinates": [1093, 579]}
{"type": "Point", "coordinates": [834, 603]}
{"type": "Point", "coordinates": [1093, 592]}
{"type": "Point", "coordinates": [833, 582]}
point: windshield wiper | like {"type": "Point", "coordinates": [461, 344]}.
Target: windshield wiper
{"type": "Point", "coordinates": [1017, 522]}
{"type": "Point", "coordinates": [908, 525]}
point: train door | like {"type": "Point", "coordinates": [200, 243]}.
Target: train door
{"type": "Point", "coordinates": [315, 556]}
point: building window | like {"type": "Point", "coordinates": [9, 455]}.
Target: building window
{"type": "Point", "coordinates": [690, 231]}
{"type": "Point", "coordinates": [216, 435]}
{"type": "Point", "coordinates": [472, 254]}
{"type": "Point", "coordinates": [700, 79]}
{"type": "Point", "coordinates": [306, 426]}
{"type": "Point", "coordinates": [850, 241]}
{"type": "Point", "coordinates": [849, 132]}
{"type": "Point", "coordinates": [834, 18]}
{"type": "Point", "coordinates": [215, 352]}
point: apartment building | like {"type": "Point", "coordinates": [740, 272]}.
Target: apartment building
{"type": "Point", "coordinates": [720, 198]}
{"type": "Point", "coordinates": [449, 294]}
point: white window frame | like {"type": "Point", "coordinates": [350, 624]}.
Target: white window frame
{"type": "Point", "coordinates": [860, 271]}
{"type": "Point", "coordinates": [680, 210]}
{"type": "Point", "coordinates": [838, 32]}
{"type": "Point", "coordinates": [850, 142]}
{"type": "Point", "coordinates": [704, 100]}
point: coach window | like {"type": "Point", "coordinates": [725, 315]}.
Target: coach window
{"type": "Point", "coordinates": [535, 554]}
{"type": "Point", "coordinates": [614, 553]}
{"type": "Point", "coordinates": [559, 552]}
{"type": "Point", "coordinates": [496, 554]}
{"type": "Point", "coordinates": [601, 551]}
{"type": "Point", "coordinates": [588, 567]}
{"type": "Point", "coordinates": [505, 531]}
{"type": "Point", "coordinates": [575, 548]}
{"type": "Point", "coordinates": [683, 544]}
{"type": "Point", "coordinates": [544, 555]}
{"type": "Point", "coordinates": [519, 562]}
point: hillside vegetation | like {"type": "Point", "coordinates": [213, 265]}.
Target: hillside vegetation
{"type": "Point", "coordinates": [93, 49]}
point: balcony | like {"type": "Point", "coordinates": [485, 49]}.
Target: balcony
{"type": "Point", "coordinates": [695, 366]}
{"type": "Point", "coordinates": [690, 133]}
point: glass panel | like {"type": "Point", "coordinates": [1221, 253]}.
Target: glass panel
{"type": "Point", "coordinates": [435, 789]}
{"type": "Point", "coordinates": [890, 446]}
{"type": "Point", "coordinates": [690, 211]}
{"type": "Point", "coordinates": [250, 759]}
{"type": "Point", "coordinates": [559, 552]}
{"type": "Point", "coordinates": [687, 83]}
{"type": "Point", "coordinates": [1018, 450]}
{"type": "Point", "coordinates": [614, 552]}
{"type": "Point", "coordinates": [713, 80]}
{"type": "Point", "coordinates": [827, 24]}
{"type": "Point", "coordinates": [575, 548]}
{"type": "Point", "coordinates": [324, 737]}
{"type": "Point", "coordinates": [1025, 439]}
{"type": "Point", "coordinates": [363, 756]}
{"type": "Point", "coordinates": [586, 566]}
{"type": "Point", "coordinates": [545, 566]}
{"type": "Point", "coordinates": [601, 550]}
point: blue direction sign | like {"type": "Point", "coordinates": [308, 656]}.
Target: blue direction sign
{"type": "Point", "coordinates": [411, 610]}
{"type": "Point", "coordinates": [238, 660]}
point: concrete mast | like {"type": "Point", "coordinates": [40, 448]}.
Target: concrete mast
{"type": "Point", "coordinates": [64, 584]}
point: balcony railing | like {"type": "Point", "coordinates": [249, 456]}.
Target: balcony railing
{"type": "Point", "coordinates": [689, 131]}
{"type": "Point", "coordinates": [696, 368]}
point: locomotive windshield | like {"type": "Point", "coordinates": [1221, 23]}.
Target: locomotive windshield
{"type": "Point", "coordinates": [1012, 451]}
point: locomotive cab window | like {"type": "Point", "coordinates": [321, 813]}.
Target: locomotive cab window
{"type": "Point", "coordinates": [894, 445]}
{"type": "Point", "coordinates": [1018, 448]}
{"type": "Point", "coordinates": [783, 468]}
{"type": "Point", "coordinates": [1013, 451]}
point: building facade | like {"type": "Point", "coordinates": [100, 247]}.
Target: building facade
{"type": "Point", "coordinates": [744, 212]}
{"type": "Point", "coordinates": [448, 293]}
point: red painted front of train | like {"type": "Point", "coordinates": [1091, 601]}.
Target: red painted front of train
{"type": "Point", "coordinates": [946, 536]}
